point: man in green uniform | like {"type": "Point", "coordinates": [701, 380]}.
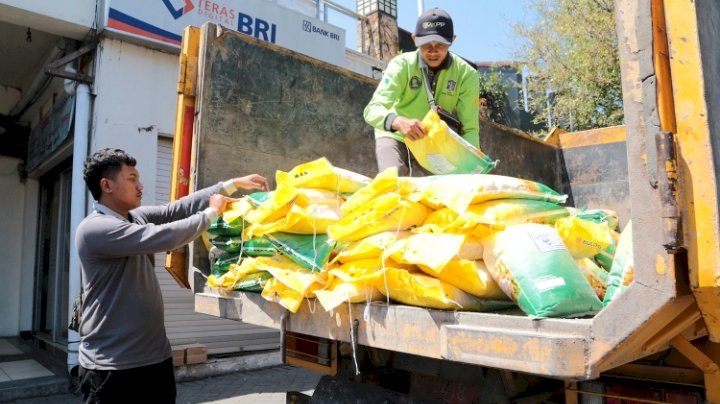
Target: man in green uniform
{"type": "Point", "coordinates": [401, 99]}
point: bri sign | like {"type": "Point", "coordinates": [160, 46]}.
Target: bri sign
{"type": "Point", "coordinates": [162, 22]}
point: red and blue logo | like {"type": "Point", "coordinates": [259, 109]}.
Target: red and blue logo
{"type": "Point", "coordinates": [178, 12]}
{"type": "Point", "coordinates": [127, 23]}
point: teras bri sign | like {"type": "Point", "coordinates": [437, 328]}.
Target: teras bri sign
{"type": "Point", "coordinates": [162, 21]}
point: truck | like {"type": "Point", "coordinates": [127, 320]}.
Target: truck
{"type": "Point", "coordinates": [248, 106]}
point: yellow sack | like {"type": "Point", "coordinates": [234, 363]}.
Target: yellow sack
{"type": "Point", "coordinates": [292, 275]}
{"type": "Point", "coordinates": [281, 265]}
{"type": "Point", "coordinates": [459, 191]}
{"type": "Point", "coordinates": [234, 274]}
{"type": "Point", "coordinates": [471, 249]}
{"type": "Point", "coordinates": [494, 215]}
{"type": "Point", "coordinates": [362, 269]}
{"type": "Point", "coordinates": [442, 151]}
{"type": "Point", "coordinates": [446, 220]}
{"type": "Point", "coordinates": [603, 216]}
{"type": "Point", "coordinates": [369, 247]}
{"type": "Point", "coordinates": [321, 174]}
{"type": "Point", "coordinates": [338, 292]}
{"type": "Point", "coordinates": [583, 238]}
{"type": "Point", "coordinates": [352, 282]}
{"type": "Point", "coordinates": [441, 218]}
{"type": "Point", "coordinates": [383, 183]}
{"type": "Point", "coordinates": [319, 196]}
{"type": "Point", "coordinates": [483, 218]}
{"type": "Point", "coordinates": [418, 289]}
{"type": "Point", "coordinates": [386, 212]}
{"type": "Point", "coordinates": [275, 207]}
{"type": "Point", "coordinates": [433, 251]}
{"type": "Point", "coordinates": [367, 268]}
{"type": "Point", "coordinates": [470, 276]}
{"type": "Point", "coordinates": [275, 291]}
{"type": "Point", "coordinates": [294, 210]}
{"type": "Point", "coordinates": [506, 212]}
{"type": "Point", "coordinates": [313, 219]}
{"type": "Point", "coordinates": [237, 209]}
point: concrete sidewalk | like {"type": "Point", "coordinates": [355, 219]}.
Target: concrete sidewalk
{"type": "Point", "coordinates": [261, 386]}
{"type": "Point", "coordinates": [29, 374]}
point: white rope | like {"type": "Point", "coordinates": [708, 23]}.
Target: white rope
{"type": "Point", "coordinates": [353, 343]}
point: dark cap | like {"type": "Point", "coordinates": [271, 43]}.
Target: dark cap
{"type": "Point", "coordinates": [434, 25]}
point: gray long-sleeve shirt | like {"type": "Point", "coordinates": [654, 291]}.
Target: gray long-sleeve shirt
{"type": "Point", "coordinates": [123, 323]}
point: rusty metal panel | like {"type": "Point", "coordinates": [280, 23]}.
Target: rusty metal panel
{"type": "Point", "coordinates": [534, 352]}
{"type": "Point", "coordinates": [278, 106]}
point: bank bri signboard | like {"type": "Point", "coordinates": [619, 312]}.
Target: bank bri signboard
{"type": "Point", "coordinates": [162, 22]}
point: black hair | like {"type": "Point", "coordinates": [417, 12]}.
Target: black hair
{"type": "Point", "coordinates": [104, 163]}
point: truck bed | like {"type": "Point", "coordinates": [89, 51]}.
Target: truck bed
{"type": "Point", "coordinates": [252, 118]}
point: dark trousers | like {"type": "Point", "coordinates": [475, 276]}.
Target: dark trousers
{"type": "Point", "coordinates": [392, 153]}
{"type": "Point", "coordinates": [155, 382]}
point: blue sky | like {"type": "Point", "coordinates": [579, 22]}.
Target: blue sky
{"type": "Point", "coordinates": [483, 27]}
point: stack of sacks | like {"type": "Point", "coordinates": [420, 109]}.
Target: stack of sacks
{"type": "Point", "coordinates": [546, 269]}
{"type": "Point", "coordinates": [292, 220]}
{"type": "Point", "coordinates": [227, 248]}
{"type": "Point", "coordinates": [493, 209]}
{"type": "Point", "coordinates": [456, 242]}
{"type": "Point", "coordinates": [449, 268]}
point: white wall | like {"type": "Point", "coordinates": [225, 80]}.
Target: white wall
{"type": "Point", "coordinates": [364, 64]}
{"type": "Point", "coordinates": [71, 18]}
{"type": "Point", "coordinates": [11, 245]}
{"type": "Point", "coordinates": [136, 95]}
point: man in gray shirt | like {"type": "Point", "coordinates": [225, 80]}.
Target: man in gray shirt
{"type": "Point", "coordinates": [124, 350]}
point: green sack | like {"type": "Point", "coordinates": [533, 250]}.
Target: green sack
{"type": "Point", "coordinates": [258, 247]}
{"type": "Point", "coordinates": [255, 247]}
{"type": "Point", "coordinates": [605, 257]}
{"type": "Point", "coordinates": [257, 198]}
{"type": "Point", "coordinates": [229, 244]}
{"type": "Point", "coordinates": [534, 268]}
{"type": "Point", "coordinates": [600, 216]}
{"type": "Point", "coordinates": [311, 251]}
{"type": "Point", "coordinates": [220, 227]}
{"type": "Point", "coordinates": [254, 282]}
{"type": "Point", "coordinates": [622, 271]}
{"type": "Point", "coordinates": [221, 264]}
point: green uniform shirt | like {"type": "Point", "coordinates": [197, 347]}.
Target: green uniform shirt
{"type": "Point", "coordinates": [401, 93]}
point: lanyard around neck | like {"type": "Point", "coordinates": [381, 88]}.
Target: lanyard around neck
{"type": "Point", "coordinates": [431, 98]}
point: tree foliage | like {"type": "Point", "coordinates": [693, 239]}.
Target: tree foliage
{"type": "Point", "coordinates": [493, 96]}
{"type": "Point", "coordinates": [572, 51]}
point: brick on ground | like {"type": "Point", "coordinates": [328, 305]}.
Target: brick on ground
{"type": "Point", "coordinates": [178, 355]}
{"type": "Point", "coordinates": [195, 353]}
